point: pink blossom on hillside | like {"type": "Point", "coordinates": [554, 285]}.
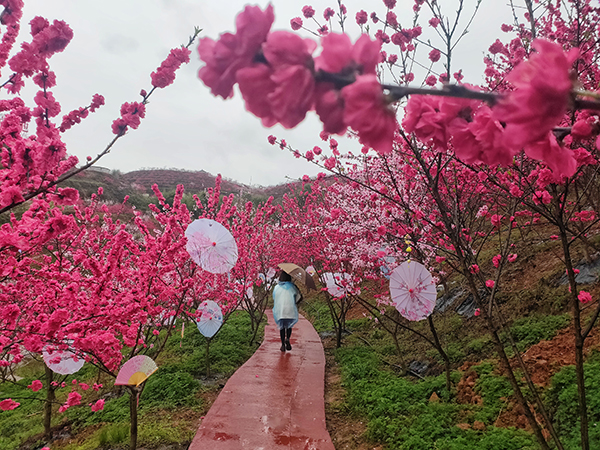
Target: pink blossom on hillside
{"type": "Point", "coordinates": [496, 220]}
{"type": "Point", "coordinates": [584, 297]}
{"type": "Point", "coordinates": [35, 385]}
{"type": "Point", "coordinates": [98, 406]}
{"type": "Point", "coordinates": [233, 52]}
{"type": "Point", "coordinates": [490, 283]}
{"type": "Point", "coordinates": [367, 112]}
{"type": "Point", "coordinates": [8, 404]}
{"type": "Point", "coordinates": [541, 95]}
{"type": "Point", "coordinates": [540, 197]}
{"type": "Point", "coordinates": [10, 195]}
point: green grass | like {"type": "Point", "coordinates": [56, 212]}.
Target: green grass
{"type": "Point", "coordinates": [400, 415]}
{"type": "Point", "coordinates": [174, 388]}
{"type": "Point", "coordinates": [528, 331]}
{"type": "Point", "coordinates": [318, 313]}
{"type": "Point", "coordinates": [562, 398]}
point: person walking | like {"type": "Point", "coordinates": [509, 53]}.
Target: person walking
{"type": "Point", "coordinates": [286, 297]}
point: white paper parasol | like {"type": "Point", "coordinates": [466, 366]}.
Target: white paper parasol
{"type": "Point", "coordinates": [412, 290]}
{"type": "Point", "coordinates": [211, 319]}
{"type": "Point", "coordinates": [338, 284]}
{"type": "Point", "coordinates": [63, 362]}
{"type": "Point", "coordinates": [211, 245]}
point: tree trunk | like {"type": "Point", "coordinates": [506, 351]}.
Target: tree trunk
{"type": "Point", "coordinates": [207, 358]}
{"type": "Point", "coordinates": [133, 417]}
{"type": "Point", "coordinates": [579, 341]}
{"type": "Point", "coordinates": [442, 353]}
{"type": "Point", "coordinates": [50, 397]}
{"type": "Point", "coordinates": [517, 392]}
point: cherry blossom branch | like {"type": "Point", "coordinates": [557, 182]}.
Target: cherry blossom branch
{"type": "Point", "coordinates": [45, 187]}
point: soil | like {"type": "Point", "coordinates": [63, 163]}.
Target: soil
{"type": "Point", "coordinates": [543, 360]}
{"type": "Point", "coordinates": [546, 358]}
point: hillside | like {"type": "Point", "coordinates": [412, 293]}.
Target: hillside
{"type": "Point", "coordinates": [138, 184]}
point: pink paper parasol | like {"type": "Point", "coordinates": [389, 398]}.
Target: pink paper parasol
{"type": "Point", "coordinates": [135, 371]}
{"type": "Point", "coordinates": [211, 245]}
{"type": "Point", "coordinates": [413, 290]}
{"type": "Point", "coordinates": [211, 319]}
{"type": "Point", "coordinates": [63, 362]}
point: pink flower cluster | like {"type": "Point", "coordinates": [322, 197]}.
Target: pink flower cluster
{"type": "Point", "coordinates": [75, 116]}
{"type": "Point", "coordinates": [98, 406]}
{"type": "Point", "coordinates": [131, 116]}
{"type": "Point", "coordinates": [48, 39]}
{"type": "Point", "coordinates": [280, 80]}
{"type": "Point", "coordinates": [36, 385]}
{"type": "Point", "coordinates": [73, 399]}
{"type": "Point", "coordinates": [522, 120]}
{"type": "Point", "coordinates": [8, 404]}
{"type": "Point", "coordinates": [165, 74]}
{"type": "Point", "coordinates": [584, 297]}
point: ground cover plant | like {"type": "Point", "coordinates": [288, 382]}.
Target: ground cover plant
{"type": "Point", "coordinates": [171, 404]}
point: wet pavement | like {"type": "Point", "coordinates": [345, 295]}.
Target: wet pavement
{"type": "Point", "coordinates": [274, 401]}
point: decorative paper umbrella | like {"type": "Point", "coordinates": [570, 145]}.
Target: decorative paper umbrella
{"type": "Point", "coordinates": [299, 274]}
{"type": "Point", "coordinates": [386, 262]}
{"type": "Point", "coordinates": [413, 290]}
{"type": "Point", "coordinates": [338, 284]}
{"type": "Point", "coordinates": [135, 371]}
{"type": "Point", "coordinates": [64, 362]}
{"type": "Point", "coordinates": [211, 245]}
{"type": "Point", "coordinates": [211, 319]}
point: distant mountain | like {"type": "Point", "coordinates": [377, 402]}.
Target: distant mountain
{"type": "Point", "coordinates": [168, 179]}
{"type": "Point", "coordinates": [138, 184]}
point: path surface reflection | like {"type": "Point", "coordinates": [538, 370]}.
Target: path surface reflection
{"type": "Point", "coordinates": [274, 401]}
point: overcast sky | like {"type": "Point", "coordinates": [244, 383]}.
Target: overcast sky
{"type": "Point", "coordinates": [118, 43]}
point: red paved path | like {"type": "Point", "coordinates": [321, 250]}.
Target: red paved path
{"type": "Point", "coordinates": [274, 401]}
